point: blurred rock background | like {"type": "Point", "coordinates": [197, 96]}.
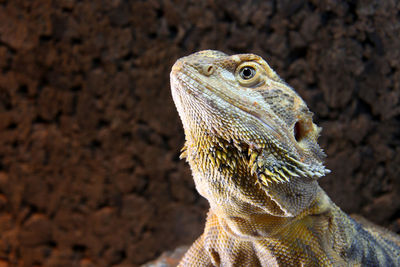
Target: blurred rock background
{"type": "Point", "coordinates": [89, 135]}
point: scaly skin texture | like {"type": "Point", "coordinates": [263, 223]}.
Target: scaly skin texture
{"type": "Point", "coordinates": [252, 148]}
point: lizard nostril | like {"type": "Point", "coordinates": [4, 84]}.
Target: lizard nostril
{"type": "Point", "coordinates": [208, 69]}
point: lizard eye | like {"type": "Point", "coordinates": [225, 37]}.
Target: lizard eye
{"type": "Point", "coordinates": [248, 74]}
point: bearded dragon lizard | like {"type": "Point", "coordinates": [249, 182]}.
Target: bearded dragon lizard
{"type": "Point", "coordinates": [252, 147]}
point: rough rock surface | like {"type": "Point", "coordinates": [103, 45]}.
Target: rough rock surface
{"type": "Point", "coordinates": [89, 136]}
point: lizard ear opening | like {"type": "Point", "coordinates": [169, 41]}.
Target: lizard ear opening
{"type": "Point", "coordinates": [296, 129]}
{"type": "Point", "coordinates": [299, 131]}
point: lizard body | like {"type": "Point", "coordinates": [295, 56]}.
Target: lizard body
{"type": "Point", "coordinates": [252, 148]}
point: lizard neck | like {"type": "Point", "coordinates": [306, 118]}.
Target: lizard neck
{"type": "Point", "coordinates": [257, 222]}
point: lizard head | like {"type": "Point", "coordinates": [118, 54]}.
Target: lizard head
{"type": "Point", "coordinates": [238, 112]}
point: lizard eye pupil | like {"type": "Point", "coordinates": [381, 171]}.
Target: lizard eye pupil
{"type": "Point", "coordinates": [247, 73]}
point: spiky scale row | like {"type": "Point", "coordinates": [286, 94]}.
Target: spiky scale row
{"type": "Point", "coordinates": [282, 173]}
